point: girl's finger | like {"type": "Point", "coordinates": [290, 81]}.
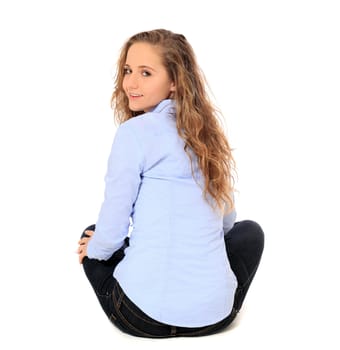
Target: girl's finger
{"type": "Point", "coordinates": [81, 257]}
{"type": "Point", "coordinates": [83, 240]}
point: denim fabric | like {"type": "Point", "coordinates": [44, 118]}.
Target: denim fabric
{"type": "Point", "coordinates": [130, 319]}
{"type": "Point", "coordinates": [244, 244]}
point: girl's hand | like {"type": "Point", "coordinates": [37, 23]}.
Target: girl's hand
{"type": "Point", "coordinates": [83, 242]}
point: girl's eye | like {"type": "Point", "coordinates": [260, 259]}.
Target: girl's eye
{"type": "Point", "coordinates": [145, 73]}
{"type": "Point", "coordinates": [126, 71]}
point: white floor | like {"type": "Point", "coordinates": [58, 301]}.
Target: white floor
{"type": "Point", "coordinates": [274, 70]}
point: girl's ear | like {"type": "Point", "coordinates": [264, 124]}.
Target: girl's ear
{"type": "Point", "coordinates": [172, 87]}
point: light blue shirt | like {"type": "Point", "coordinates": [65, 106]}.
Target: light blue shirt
{"type": "Point", "coordinates": [176, 268]}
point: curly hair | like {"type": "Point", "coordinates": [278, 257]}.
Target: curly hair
{"type": "Point", "coordinates": [197, 119]}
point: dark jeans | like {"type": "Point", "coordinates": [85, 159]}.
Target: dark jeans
{"type": "Point", "coordinates": [244, 244]}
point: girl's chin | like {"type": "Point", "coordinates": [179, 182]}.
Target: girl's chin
{"type": "Point", "coordinates": [134, 109]}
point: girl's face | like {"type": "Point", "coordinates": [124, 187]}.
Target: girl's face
{"type": "Point", "coordinates": [146, 81]}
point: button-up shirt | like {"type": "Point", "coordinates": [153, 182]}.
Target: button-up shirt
{"type": "Point", "coordinates": [176, 268]}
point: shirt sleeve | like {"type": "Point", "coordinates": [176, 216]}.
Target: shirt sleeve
{"type": "Point", "coordinates": [229, 218]}
{"type": "Point", "coordinates": [122, 182]}
{"type": "Point", "coordinates": [228, 221]}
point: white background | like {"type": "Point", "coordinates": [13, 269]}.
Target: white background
{"type": "Point", "coordinates": [273, 67]}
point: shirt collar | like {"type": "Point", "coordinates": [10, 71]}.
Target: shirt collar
{"type": "Point", "coordinates": [167, 105]}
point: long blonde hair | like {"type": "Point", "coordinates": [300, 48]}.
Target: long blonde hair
{"type": "Point", "coordinates": [197, 119]}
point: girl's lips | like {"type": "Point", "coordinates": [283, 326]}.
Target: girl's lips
{"type": "Point", "coordinates": [134, 96]}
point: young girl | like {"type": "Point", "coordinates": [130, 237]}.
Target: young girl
{"type": "Point", "coordinates": [186, 266]}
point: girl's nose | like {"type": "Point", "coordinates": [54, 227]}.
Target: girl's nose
{"type": "Point", "coordinates": [132, 81]}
